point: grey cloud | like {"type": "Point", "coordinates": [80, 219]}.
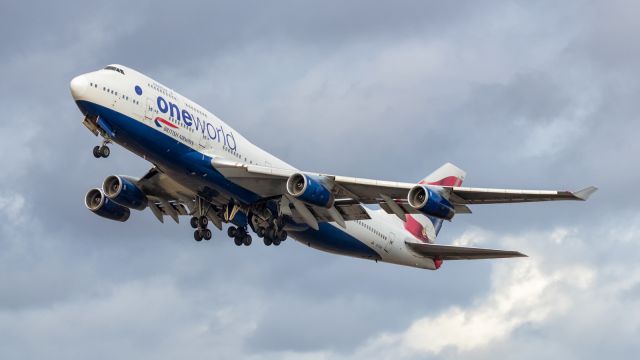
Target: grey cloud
{"type": "Point", "coordinates": [384, 90]}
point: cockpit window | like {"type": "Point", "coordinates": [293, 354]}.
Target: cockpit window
{"type": "Point", "coordinates": [114, 69]}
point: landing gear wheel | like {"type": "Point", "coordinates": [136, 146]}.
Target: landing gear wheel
{"type": "Point", "coordinates": [276, 242]}
{"type": "Point", "coordinates": [96, 152]}
{"type": "Point", "coordinates": [232, 231]}
{"type": "Point", "coordinates": [261, 231]}
{"type": "Point", "coordinates": [207, 234]}
{"type": "Point", "coordinates": [237, 240]}
{"type": "Point", "coordinates": [203, 221]}
{"type": "Point", "coordinates": [247, 240]}
{"type": "Point", "coordinates": [271, 232]}
{"type": "Point", "coordinates": [267, 241]}
{"type": "Point", "coordinates": [282, 235]}
{"type": "Point", "coordinates": [197, 235]}
{"type": "Point", "coordinates": [105, 151]}
{"type": "Point", "coordinates": [194, 222]}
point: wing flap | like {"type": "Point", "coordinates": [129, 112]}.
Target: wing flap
{"type": "Point", "coordinates": [349, 212]}
{"type": "Point", "coordinates": [448, 252]}
{"type": "Point", "coordinates": [168, 198]}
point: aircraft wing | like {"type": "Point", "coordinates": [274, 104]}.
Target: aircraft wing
{"type": "Point", "coordinates": [468, 195]}
{"type": "Point", "coordinates": [163, 198]}
{"type": "Point", "coordinates": [268, 182]}
{"type": "Point", "coordinates": [448, 252]}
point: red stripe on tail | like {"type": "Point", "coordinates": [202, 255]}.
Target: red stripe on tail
{"type": "Point", "coordinates": [416, 229]}
{"type": "Point", "coordinates": [413, 226]}
{"type": "Point", "coordinates": [448, 181]}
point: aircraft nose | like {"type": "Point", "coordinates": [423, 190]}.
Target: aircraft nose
{"type": "Point", "coordinates": [78, 85]}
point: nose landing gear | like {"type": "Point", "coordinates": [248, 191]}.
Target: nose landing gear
{"type": "Point", "coordinates": [102, 150]}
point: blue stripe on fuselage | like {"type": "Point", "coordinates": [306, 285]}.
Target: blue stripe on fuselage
{"type": "Point", "coordinates": [167, 152]}
{"type": "Point", "coordinates": [334, 240]}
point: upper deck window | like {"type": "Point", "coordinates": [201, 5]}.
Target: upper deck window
{"type": "Point", "coordinates": [114, 69]}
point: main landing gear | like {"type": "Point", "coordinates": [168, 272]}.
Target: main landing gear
{"type": "Point", "coordinates": [239, 235]}
{"type": "Point", "coordinates": [269, 228]}
{"type": "Point", "coordinates": [273, 233]}
{"type": "Point", "coordinates": [270, 235]}
{"type": "Point", "coordinates": [200, 224]}
{"type": "Point", "coordinates": [200, 221]}
{"type": "Point", "coordinates": [102, 150]}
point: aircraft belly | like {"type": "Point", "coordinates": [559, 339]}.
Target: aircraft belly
{"type": "Point", "coordinates": [331, 239]}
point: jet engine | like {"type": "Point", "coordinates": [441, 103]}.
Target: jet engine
{"type": "Point", "coordinates": [430, 202]}
{"type": "Point", "coordinates": [123, 191]}
{"type": "Point", "coordinates": [96, 201]}
{"type": "Point", "coordinates": [310, 189]}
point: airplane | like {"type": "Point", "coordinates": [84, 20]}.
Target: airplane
{"type": "Point", "coordinates": [205, 170]}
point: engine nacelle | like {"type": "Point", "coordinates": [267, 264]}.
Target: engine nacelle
{"type": "Point", "coordinates": [310, 189]}
{"type": "Point", "coordinates": [430, 202]}
{"type": "Point", "coordinates": [96, 201]}
{"type": "Point", "coordinates": [123, 191]}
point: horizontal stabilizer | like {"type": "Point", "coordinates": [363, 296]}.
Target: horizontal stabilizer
{"type": "Point", "coordinates": [448, 252]}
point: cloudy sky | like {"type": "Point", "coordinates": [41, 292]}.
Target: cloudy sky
{"type": "Point", "coordinates": [522, 94]}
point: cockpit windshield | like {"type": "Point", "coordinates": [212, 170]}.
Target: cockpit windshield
{"type": "Point", "coordinates": [114, 69]}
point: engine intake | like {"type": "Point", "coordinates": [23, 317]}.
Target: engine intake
{"type": "Point", "coordinates": [96, 201]}
{"type": "Point", "coordinates": [430, 202]}
{"type": "Point", "coordinates": [310, 189]}
{"type": "Point", "coordinates": [123, 191]}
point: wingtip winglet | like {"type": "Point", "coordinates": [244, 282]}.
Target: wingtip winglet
{"type": "Point", "coordinates": [585, 193]}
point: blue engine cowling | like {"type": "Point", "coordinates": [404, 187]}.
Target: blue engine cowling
{"type": "Point", "coordinates": [123, 191]}
{"type": "Point", "coordinates": [430, 202]}
{"type": "Point", "coordinates": [96, 201]}
{"type": "Point", "coordinates": [310, 189]}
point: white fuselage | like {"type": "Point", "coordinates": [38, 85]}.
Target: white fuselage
{"type": "Point", "coordinates": [136, 97]}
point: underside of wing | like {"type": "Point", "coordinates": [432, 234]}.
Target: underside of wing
{"type": "Point", "coordinates": [166, 197]}
{"type": "Point", "coordinates": [448, 252]}
{"type": "Point", "coordinates": [348, 212]}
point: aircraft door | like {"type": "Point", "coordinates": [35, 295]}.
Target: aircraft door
{"type": "Point", "coordinates": [149, 111]}
{"type": "Point", "coordinates": [202, 139]}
